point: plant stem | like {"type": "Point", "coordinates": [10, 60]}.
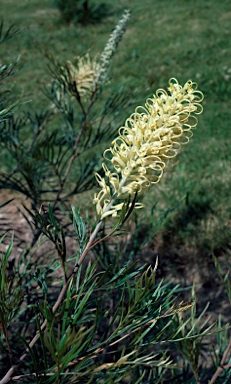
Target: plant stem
{"type": "Point", "coordinates": [222, 365]}
{"type": "Point", "coordinates": [36, 135]}
{"type": "Point", "coordinates": [75, 154]}
{"type": "Point", "coordinates": [70, 163]}
{"type": "Point", "coordinates": [7, 343]}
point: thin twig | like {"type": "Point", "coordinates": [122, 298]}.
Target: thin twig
{"type": "Point", "coordinates": [222, 365]}
{"type": "Point", "coordinates": [69, 166]}
{"type": "Point", "coordinates": [75, 154]}
{"type": "Point", "coordinates": [36, 135]}
{"type": "Point", "coordinates": [5, 333]}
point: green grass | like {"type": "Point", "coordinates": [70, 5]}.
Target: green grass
{"type": "Point", "coordinates": [166, 38]}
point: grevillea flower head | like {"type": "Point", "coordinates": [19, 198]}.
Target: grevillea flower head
{"type": "Point", "coordinates": [81, 75]}
{"type": "Point", "coordinates": [110, 48]}
{"type": "Point", "coordinates": [85, 76]}
{"type": "Point", "coordinates": [151, 137]}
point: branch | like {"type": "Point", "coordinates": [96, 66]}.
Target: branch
{"type": "Point", "coordinates": [36, 135]}
{"type": "Point", "coordinates": [222, 365]}
{"type": "Point", "coordinates": [75, 154]}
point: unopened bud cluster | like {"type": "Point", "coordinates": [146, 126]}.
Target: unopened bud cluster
{"type": "Point", "coordinates": [110, 48]}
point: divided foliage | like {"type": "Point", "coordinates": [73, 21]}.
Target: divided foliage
{"type": "Point", "coordinates": [107, 320]}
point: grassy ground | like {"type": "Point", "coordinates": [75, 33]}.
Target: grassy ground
{"type": "Point", "coordinates": [167, 38]}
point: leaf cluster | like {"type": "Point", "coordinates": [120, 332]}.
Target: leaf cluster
{"type": "Point", "coordinates": [89, 331]}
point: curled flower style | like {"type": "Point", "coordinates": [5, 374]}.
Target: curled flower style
{"type": "Point", "coordinates": [81, 76]}
{"type": "Point", "coordinates": [152, 136]}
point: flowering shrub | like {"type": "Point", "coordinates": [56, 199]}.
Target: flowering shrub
{"type": "Point", "coordinates": [105, 319]}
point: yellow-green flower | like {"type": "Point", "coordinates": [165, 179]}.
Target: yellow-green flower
{"type": "Point", "coordinates": [152, 136]}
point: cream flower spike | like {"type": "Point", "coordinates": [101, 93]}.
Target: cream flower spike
{"type": "Point", "coordinates": [151, 137]}
{"type": "Point", "coordinates": [82, 75]}
{"type": "Point", "coordinates": [87, 76]}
